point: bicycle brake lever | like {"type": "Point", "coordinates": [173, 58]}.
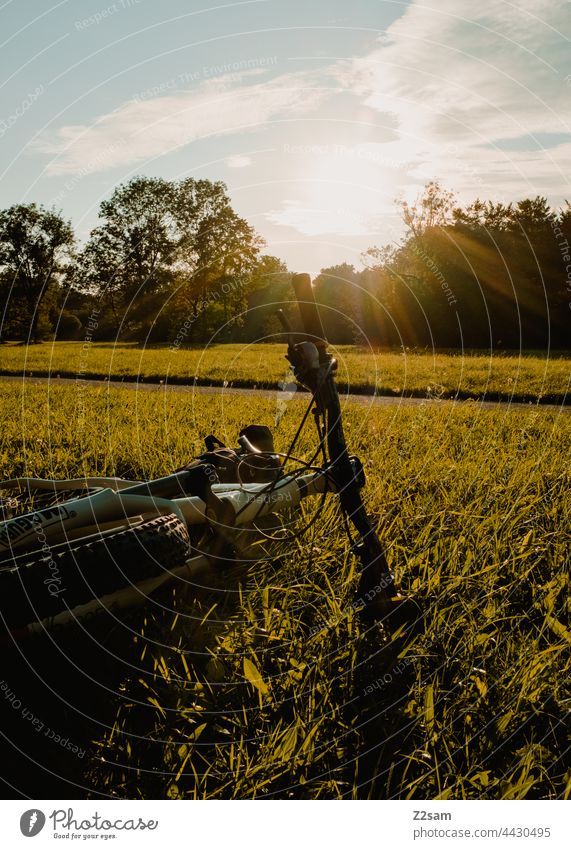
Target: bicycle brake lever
{"type": "Point", "coordinates": [303, 356]}
{"type": "Point", "coordinates": [288, 330]}
{"type": "Point", "coordinates": [284, 322]}
{"type": "Point", "coordinates": [245, 443]}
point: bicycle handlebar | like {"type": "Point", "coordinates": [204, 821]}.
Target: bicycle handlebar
{"type": "Point", "coordinates": [309, 312]}
{"type": "Point", "coordinates": [318, 375]}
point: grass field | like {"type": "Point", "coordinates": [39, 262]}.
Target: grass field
{"type": "Point", "coordinates": [275, 688]}
{"type": "Point", "coordinates": [527, 377]}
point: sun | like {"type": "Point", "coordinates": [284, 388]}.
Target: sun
{"type": "Point", "coordinates": [342, 190]}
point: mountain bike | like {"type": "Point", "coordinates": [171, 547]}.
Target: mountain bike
{"type": "Point", "coordinates": [71, 548]}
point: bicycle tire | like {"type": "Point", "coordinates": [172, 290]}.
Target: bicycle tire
{"type": "Point", "coordinates": [40, 585]}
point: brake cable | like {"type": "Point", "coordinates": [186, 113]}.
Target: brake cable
{"type": "Point", "coordinates": [314, 368]}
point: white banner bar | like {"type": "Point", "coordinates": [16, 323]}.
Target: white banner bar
{"type": "Point", "coordinates": [286, 824]}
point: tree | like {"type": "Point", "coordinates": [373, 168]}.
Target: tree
{"type": "Point", "coordinates": [338, 292]}
{"type": "Point", "coordinates": [269, 289]}
{"type": "Point", "coordinates": [487, 274]}
{"type": "Point", "coordinates": [218, 260]}
{"type": "Point", "coordinates": [130, 254]}
{"type": "Point", "coordinates": [178, 238]}
{"type": "Point", "coordinates": [512, 251]}
{"type": "Point", "coordinates": [420, 291]}
{"type": "Point", "coordinates": [67, 326]}
{"type": "Point", "coordinates": [433, 208]}
{"type": "Point", "coordinates": [484, 214]}
{"type": "Point", "coordinates": [35, 244]}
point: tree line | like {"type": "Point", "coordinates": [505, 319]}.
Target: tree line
{"type": "Point", "coordinates": [172, 262]}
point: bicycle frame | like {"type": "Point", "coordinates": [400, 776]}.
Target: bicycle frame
{"type": "Point", "coordinates": [113, 504]}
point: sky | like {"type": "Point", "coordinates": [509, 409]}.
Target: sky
{"type": "Point", "coordinates": [319, 116]}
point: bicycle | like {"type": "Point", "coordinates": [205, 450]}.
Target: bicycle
{"type": "Point", "coordinates": [110, 543]}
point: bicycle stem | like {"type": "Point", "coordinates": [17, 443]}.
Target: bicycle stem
{"type": "Point", "coordinates": [315, 368]}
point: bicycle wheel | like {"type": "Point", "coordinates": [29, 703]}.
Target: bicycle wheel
{"type": "Point", "coordinates": [42, 585]}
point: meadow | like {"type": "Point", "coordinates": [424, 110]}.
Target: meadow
{"type": "Point", "coordinates": [528, 377]}
{"type": "Point", "coordinates": [263, 681]}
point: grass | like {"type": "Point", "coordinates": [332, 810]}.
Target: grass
{"type": "Point", "coordinates": [263, 682]}
{"type": "Point", "coordinates": [528, 377]}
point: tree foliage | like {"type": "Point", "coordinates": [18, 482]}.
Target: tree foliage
{"type": "Point", "coordinates": [35, 250]}
{"type": "Point", "coordinates": [180, 241]}
{"type": "Point", "coordinates": [487, 275]}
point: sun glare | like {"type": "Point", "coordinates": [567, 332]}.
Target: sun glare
{"type": "Point", "coordinates": [343, 190]}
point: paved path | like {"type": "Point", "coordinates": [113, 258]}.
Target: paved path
{"type": "Point", "coordinates": [377, 400]}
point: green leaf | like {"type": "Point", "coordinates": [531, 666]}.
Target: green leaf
{"type": "Point", "coordinates": [254, 676]}
{"type": "Point", "coordinates": [429, 708]}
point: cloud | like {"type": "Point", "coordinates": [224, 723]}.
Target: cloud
{"type": "Point", "coordinates": [466, 71]}
{"type": "Point", "coordinates": [455, 79]}
{"type": "Point", "coordinates": [320, 221]}
{"type": "Point", "coordinates": [145, 129]}
{"type": "Point", "coordinates": [238, 160]}
{"type": "Point", "coordinates": [461, 77]}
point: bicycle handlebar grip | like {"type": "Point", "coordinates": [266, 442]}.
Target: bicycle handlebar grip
{"type": "Point", "coordinates": [310, 317]}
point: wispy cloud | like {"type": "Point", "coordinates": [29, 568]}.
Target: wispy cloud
{"type": "Point", "coordinates": [143, 129]}
{"type": "Point", "coordinates": [319, 221]}
{"type": "Point", "coordinates": [471, 71]}
{"type": "Point", "coordinates": [456, 79]}
{"type": "Point", "coordinates": [459, 76]}
{"type": "Point", "coordinates": [238, 160]}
